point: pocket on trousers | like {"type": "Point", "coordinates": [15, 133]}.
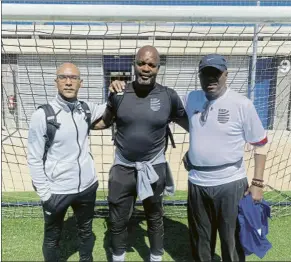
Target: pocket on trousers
{"type": "Point", "coordinates": [90, 190]}
{"type": "Point", "coordinates": [241, 187]}
{"type": "Point", "coordinates": [118, 184]}
{"type": "Point", "coordinates": [111, 189]}
{"type": "Point", "coordinates": [56, 203]}
{"type": "Point", "coordinates": [48, 205]}
{"type": "Point", "coordinates": [242, 183]}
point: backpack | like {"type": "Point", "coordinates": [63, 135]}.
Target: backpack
{"type": "Point", "coordinates": [52, 125]}
{"type": "Point", "coordinates": [169, 134]}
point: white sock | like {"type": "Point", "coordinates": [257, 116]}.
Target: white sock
{"type": "Point", "coordinates": [118, 258]}
{"type": "Point", "coordinates": [155, 258]}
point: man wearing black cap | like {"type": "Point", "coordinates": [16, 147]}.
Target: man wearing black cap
{"type": "Point", "coordinates": [221, 121]}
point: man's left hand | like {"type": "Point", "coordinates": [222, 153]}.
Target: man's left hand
{"type": "Point", "coordinates": [256, 192]}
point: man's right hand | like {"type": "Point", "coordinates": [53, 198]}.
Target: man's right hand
{"type": "Point", "coordinates": [117, 86]}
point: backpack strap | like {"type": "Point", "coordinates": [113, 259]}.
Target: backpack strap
{"type": "Point", "coordinates": [169, 134]}
{"type": "Point", "coordinates": [87, 111]}
{"type": "Point", "coordinates": [51, 127]}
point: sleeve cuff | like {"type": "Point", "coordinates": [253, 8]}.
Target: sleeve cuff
{"type": "Point", "coordinates": [260, 143]}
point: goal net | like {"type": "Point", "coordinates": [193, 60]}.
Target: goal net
{"type": "Point", "coordinates": [102, 43]}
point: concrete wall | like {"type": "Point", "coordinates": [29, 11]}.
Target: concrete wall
{"type": "Point", "coordinates": [8, 77]}
{"type": "Point", "coordinates": [283, 96]}
{"type": "Point", "coordinates": [15, 173]}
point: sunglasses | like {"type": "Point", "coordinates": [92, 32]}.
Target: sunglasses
{"type": "Point", "coordinates": [73, 78]}
{"type": "Point", "coordinates": [210, 72]}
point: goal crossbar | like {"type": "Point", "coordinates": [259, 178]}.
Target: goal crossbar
{"type": "Point", "coordinates": [129, 13]}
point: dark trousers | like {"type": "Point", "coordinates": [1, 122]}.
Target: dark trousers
{"type": "Point", "coordinates": [212, 209]}
{"type": "Point", "coordinates": [122, 197]}
{"type": "Point", "coordinates": [54, 212]}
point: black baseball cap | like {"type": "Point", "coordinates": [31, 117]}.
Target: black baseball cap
{"type": "Point", "coordinates": [213, 60]}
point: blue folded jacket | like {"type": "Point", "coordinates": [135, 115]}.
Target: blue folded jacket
{"type": "Point", "coordinates": [253, 220]}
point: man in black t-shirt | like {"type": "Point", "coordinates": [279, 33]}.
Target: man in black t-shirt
{"type": "Point", "coordinates": [141, 114]}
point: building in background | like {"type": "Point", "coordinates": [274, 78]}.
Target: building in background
{"type": "Point", "coordinates": [31, 53]}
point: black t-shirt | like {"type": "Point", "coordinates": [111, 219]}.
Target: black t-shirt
{"type": "Point", "coordinates": [141, 121]}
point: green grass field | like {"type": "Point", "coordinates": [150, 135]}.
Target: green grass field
{"type": "Point", "coordinates": [22, 234]}
{"type": "Point", "coordinates": [22, 239]}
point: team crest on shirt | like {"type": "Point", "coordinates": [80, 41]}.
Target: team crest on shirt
{"type": "Point", "coordinates": [155, 104]}
{"type": "Point", "coordinates": [223, 116]}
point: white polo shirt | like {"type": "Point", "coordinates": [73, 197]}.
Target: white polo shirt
{"type": "Point", "coordinates": [232, 121]}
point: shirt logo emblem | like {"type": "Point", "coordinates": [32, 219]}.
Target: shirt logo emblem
{"type": "Point", "coordinates": [155, 104]}
{"type": "Point", "coordinates": [223, 116]}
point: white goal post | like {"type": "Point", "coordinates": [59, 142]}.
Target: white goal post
{"type": "Point", "coordinates": [129, 13]}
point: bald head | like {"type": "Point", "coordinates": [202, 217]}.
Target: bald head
{"type": "Point", "coordinates": [147, 64]}
{"type": "Point", "coordinates": [68, 81]}
{"type": "Point", "coordinates": [68, 67]}
{"type": "Point", "coordinates": [151, 50]}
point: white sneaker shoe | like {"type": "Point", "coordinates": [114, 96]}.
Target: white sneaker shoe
{"type": "Point", "coordinates": [118, 258]}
